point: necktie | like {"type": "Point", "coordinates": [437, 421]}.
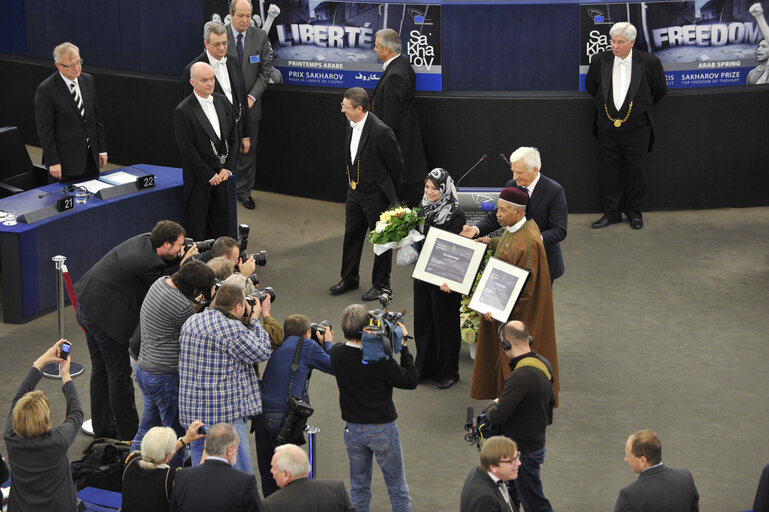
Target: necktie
{"type": "Point", "coordinates": [505, 494]}
{"type": "Point", "coordinates": [78, 100]}
{"type": "Point", "coordinates": [239, 46]}
{"type": "Point", "coordinates": [525, 189]}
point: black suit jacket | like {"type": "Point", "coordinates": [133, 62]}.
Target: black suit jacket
{"type": "Point", "coordinates": [309, 495]}
{"type": "Point", "coordinates": [647, 87]}
{"type": "Point", "coordinates": [378, 158]}
{"type": "Point", "coordinates": [112, 291]}
{"type": "Point", "coordinates": [394, 104]}
{"type": "Point", "coordinates": [660, 489]}
{"type": "Point", "coordinates": [481, 494]}
{"type": "Point", "coordinates": [256, 73]}
{"type": "Point", "coordinates": [547, 206]}
{"type": "Point", "coordinates": [62, 132]}
{"type": "Point", "coordinates": [214, 485]}
{"type": "Point", "coordinates": [238, 85]}
{"type": "Point", "coordinates": [194, 135]}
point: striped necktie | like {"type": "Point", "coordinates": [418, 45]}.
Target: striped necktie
{"type": "Point", "coordinates": [78, 100]}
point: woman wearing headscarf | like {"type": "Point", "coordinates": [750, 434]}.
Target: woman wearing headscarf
{"type": "Point", "coordinates": [436, 309]}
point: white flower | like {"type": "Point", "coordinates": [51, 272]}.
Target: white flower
{"type": "Point", "coordinates": [380, 226]}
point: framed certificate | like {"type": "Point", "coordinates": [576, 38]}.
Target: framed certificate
{"type": "Point", "coordinates": [449, 258]}
{"type": "Point", "coordinates": [498, 289]}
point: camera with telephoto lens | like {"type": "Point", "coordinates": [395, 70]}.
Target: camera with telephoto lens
{"type": "Point", "coordinates": [292, 428]}
{"type": "Point", "coordinates": [260, 257]}
{"type": "Point", "coordinates": [262, 294]}
{"type": "Point", "coordinates": [382, 337]}
{"type": "Point", "coordinates": [318, 330]}
{"type": "Point", "coordinates": [203, 246]}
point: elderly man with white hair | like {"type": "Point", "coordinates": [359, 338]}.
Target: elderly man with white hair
{"type": "Point", "coordinates": [299, 493]}
{"type": "Point", "coordinates": [626, 83]}
{"type": "Point", "coordinates": [547, 207]}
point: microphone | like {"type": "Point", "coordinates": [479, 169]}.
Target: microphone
{"type": "Point", "coordinates": [503, 157]}
{"type": "Point", "coordinates": [469, 416]}
{"type": "Point", "coordinates": [62, 190]}
{"type": "Point", "coordinates": [471, 169]}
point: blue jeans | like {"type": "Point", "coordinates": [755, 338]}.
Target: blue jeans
{"type": "Point", "coordinates": [528, 486]}
{"type": "Point", "coordinates": [160, 397]}
{"type": "Point", "coordinates": [382, 440]}
{"type": "Point", "coordinates": [244, 448]}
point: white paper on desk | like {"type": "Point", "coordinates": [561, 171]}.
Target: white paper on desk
{"type": "Point", "coordinates": [93, 186]}
{"type": "Point", "coordinates": [118, 178]}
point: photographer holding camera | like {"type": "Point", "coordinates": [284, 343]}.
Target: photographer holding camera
{"type": "Point", "coordinates": [170, 301]}
{"type": "Point", "coordinates": [365, 398]}
{"type": "Point", "coordinates": [227, 247]}
{"type": "Point", "coordinates": [285, 399]}
{"type": "Point", "coordinates": [217, 379]}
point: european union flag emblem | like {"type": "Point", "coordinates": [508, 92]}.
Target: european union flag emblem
{"type": "Point", "coordinates": [487, 206]}
{"type": "Point", "coordinates": [598, 19]}
{"type": "Point", "coordinates": [419, 19]}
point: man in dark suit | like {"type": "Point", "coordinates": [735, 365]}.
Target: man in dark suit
{"type": "Point", "coordinates": [229, 78]}
{"type": "Point", "coordinates": [626, 84]}
{"type": "Point", "coordinates": [373, 162]}
{"type": "Point", "coordinates": [298, 493]}
{"type": "Point", "coordinates": [486, 487]}
{"type": "Point", "coordinates": [547, 206]}
{"type": "Point", "coordinates": [68, 119]}
{"type": "Point", "coordinates": [215, 484]}
{"type": "Point", "coordinates": [208, 142]}
{"type": "Point", "coordinates": [658, 487]}
{"type": "Point", "coordinates": [394, 104]}
{"type": "Point", "coordinates": [110, 296]}
{"type": "Point", "coordinates": [250, 47]}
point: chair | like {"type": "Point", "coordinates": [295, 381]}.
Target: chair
{"type": "Point", "coordinates": [17, 172]}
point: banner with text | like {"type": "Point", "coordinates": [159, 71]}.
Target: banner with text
{"type": "Point", "coordinates": [331, 44]}
{"type": "Point", "coordinates": [701, 43]}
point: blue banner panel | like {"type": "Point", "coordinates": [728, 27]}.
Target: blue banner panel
{"type": "Point", "coordinates": [701, 43]}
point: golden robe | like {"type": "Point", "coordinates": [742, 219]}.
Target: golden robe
{"type": "Point", "coordinates": [523, 249]}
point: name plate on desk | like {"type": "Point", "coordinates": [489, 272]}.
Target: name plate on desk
{"type": "Point", "coordinates": [65, 203]}
{"type": "Point", "coordinates": [147, 181]}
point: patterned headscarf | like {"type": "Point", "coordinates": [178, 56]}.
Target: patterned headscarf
{"type": "Point", "coordinates": [439, 212]}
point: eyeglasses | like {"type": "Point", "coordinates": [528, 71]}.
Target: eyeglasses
{"type": "Point", "coordinates": [80, 63]}
{"type": "Point", "coordinates": [345, 107]}
{"type": "Point", "coordinates": [514, 459]}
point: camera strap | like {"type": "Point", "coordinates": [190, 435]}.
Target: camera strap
{"type": "Point", "coordinates": [295, 365]}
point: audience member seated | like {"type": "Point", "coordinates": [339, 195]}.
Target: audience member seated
{"type": "Point", "coordinates": [148, 480]}
{"type": "Point", "coordinates": [215, 485]}
{"type": "Point", "coordinates": [275, 385]}
{"type": "Point", "coordinates": [38, 453]}
{"type": "Point", "coordinates": [299, 493]}
{"type": "Point", "coordinates": [486, 487]}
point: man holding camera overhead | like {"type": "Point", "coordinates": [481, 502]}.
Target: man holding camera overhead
{"type": "Point", "coordinates": [366, 400]}
{"type": "Point", "coordinates": [217, 379]}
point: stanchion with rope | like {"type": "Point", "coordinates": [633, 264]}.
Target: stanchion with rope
{"type": "Point", "coordinates": [311, 431]}
{"type": "Point", "coordinates": [51, 370]}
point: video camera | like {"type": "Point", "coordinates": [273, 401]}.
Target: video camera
{"type": "Point", "coordinates": [478, 429]}
{"type": "Point", "coordinates": [260, 257]}
{"type": "Point", "coordinates": [382, 337]}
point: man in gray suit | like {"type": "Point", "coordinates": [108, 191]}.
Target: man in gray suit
{"type": "Point", "coordinates": [250, 47]}
{"type": "Point", "coordinates": [658, 487]}
{"type": "Point", "coordinates": [298, 493]}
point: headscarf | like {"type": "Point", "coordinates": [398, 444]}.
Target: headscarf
{"type": "Point", "coordinates": [439, 212]}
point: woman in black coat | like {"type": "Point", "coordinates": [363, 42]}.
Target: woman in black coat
{"type": "Point", "coordinates": [436, 309]}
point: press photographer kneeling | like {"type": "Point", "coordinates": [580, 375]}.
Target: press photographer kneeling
{"type": "Point", "coordinates": [285, 399]}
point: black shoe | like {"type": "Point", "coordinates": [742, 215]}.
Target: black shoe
{"type": "Point", "coordinates": [636, 223]}
{"type": "Point", "coordinates": [249, 203]}
{"type": "Point", "coordinates": [447, 383]}
{"type": "Point", "coordinates": [603, 222]}
{"type": "Point", "coordinates": [342, 286]}
{"type": "Point", "coordinates": [375, 292]}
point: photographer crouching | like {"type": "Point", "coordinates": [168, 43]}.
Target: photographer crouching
{"type": "Point", "coordinates": [366, 375]}
{"type": "Point", "coordinates": [285, 399]}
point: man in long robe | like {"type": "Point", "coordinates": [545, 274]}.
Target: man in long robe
{"type": "Point", "coordinates": [520, 245]}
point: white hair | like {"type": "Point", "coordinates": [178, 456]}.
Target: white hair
{"type": "Point", "coordinates": [530, 157]}
{"type": "Point", "coordinates": [157, 444]}
{"type": "Point", "coordinates": [292, 459]}
{"type": "Point", "coordinates": [624, 29]}
{"type": "Point", "coordinates": [63, 48]}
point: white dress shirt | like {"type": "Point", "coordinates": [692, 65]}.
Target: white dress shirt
{"type": "Point", "coordinates": [621, 79]}
{"type": "Point", "coordinates": [221, 74]}
{"type": "Point", "coordinates": [357, 130]}
{"type": "Point", "coordinates": [210, 111]}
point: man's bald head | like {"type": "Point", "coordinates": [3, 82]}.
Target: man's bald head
{"type": "Point", "coordinates": [202, 79]}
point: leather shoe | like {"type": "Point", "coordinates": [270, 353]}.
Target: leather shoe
{"type": "Point", "coordinates": [342, 286]}
{"type": "Point", "coordinates": [375, 292]}
{"type": "Point", "coordinates": [602, 222]}
{"type": "Point", "coordinates": [636, 223]}
{"type": "Point", "coordinates": [447, 383]}
{"type": "Point", "coordinates": [249, 203]}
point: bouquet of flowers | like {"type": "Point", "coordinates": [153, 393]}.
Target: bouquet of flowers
{"type": "Point", "coordinates": [469, 319]}
{"type": "Point", "coordinates": [396, 229]}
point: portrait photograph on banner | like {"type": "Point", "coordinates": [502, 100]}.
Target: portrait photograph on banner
{"type": "Point", "coordinates": [498, 289]}
{"type": "Point", "coordinates": [449, 258]}
{"type": "Point", "coordinates": [701, 43]}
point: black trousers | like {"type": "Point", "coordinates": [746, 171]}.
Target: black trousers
{"type": "Point", "coordinates": [436, 331]}
{"type": "Point", "coordinates": [362, 212]}
{"type": "Point", "coordinates": [624, 154]}
{"type": "Point", "coordinates": [208, 211]}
